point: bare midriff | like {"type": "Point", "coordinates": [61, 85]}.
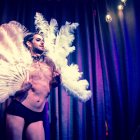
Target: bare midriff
{"type": "Point", "coordinates": [40, 78]}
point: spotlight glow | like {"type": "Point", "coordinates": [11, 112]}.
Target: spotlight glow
{"type": "Point", "coordinates": [108, 18]}
{"type": "Point", "coordinates": [124, 1]}
{"type": "Point", "coordinates": [120, 7]}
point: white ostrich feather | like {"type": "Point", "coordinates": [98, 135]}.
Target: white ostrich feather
{"type": "Point", "coordinates": [43, 25]}
{"type": "Point", "coordinates": [15, 59]}
{"type": "Point", "coordinates": [59, 46]}
{"type": "Point", "coordinates": [47, 30]}
{"type": "Point", "coordinates": [65, 36]}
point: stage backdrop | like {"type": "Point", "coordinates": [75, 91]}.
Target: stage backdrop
{"type": "Point", "coordinates": [109, 56]}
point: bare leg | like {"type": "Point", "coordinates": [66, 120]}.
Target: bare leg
{"type": "Point", "coordinates": [14, 127]}
{"type": "Point", "coordinates": [35, 131]}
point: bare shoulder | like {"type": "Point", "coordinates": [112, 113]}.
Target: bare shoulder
{"type": "Point", "coordinates": [49, 62]}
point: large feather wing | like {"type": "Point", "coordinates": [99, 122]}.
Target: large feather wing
{"type": "Point", "coordinates": [59, 46]}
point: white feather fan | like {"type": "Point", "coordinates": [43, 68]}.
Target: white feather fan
{"type": "Point", "coordinates": [15, 59]}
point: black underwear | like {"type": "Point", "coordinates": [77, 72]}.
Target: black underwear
{"type": "Point", "coordinates": [17, 109]}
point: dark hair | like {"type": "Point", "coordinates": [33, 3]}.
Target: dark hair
{"type": "Point", "coordinates": [28, 37]}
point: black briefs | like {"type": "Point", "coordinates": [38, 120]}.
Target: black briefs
{"type": "Point", "coordinates": [18, 109]}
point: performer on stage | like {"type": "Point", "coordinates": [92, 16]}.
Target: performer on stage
{"type": "Point", "coordinates": [25, 113]}
{"type": "Point", "coordinates": [29, 70]}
